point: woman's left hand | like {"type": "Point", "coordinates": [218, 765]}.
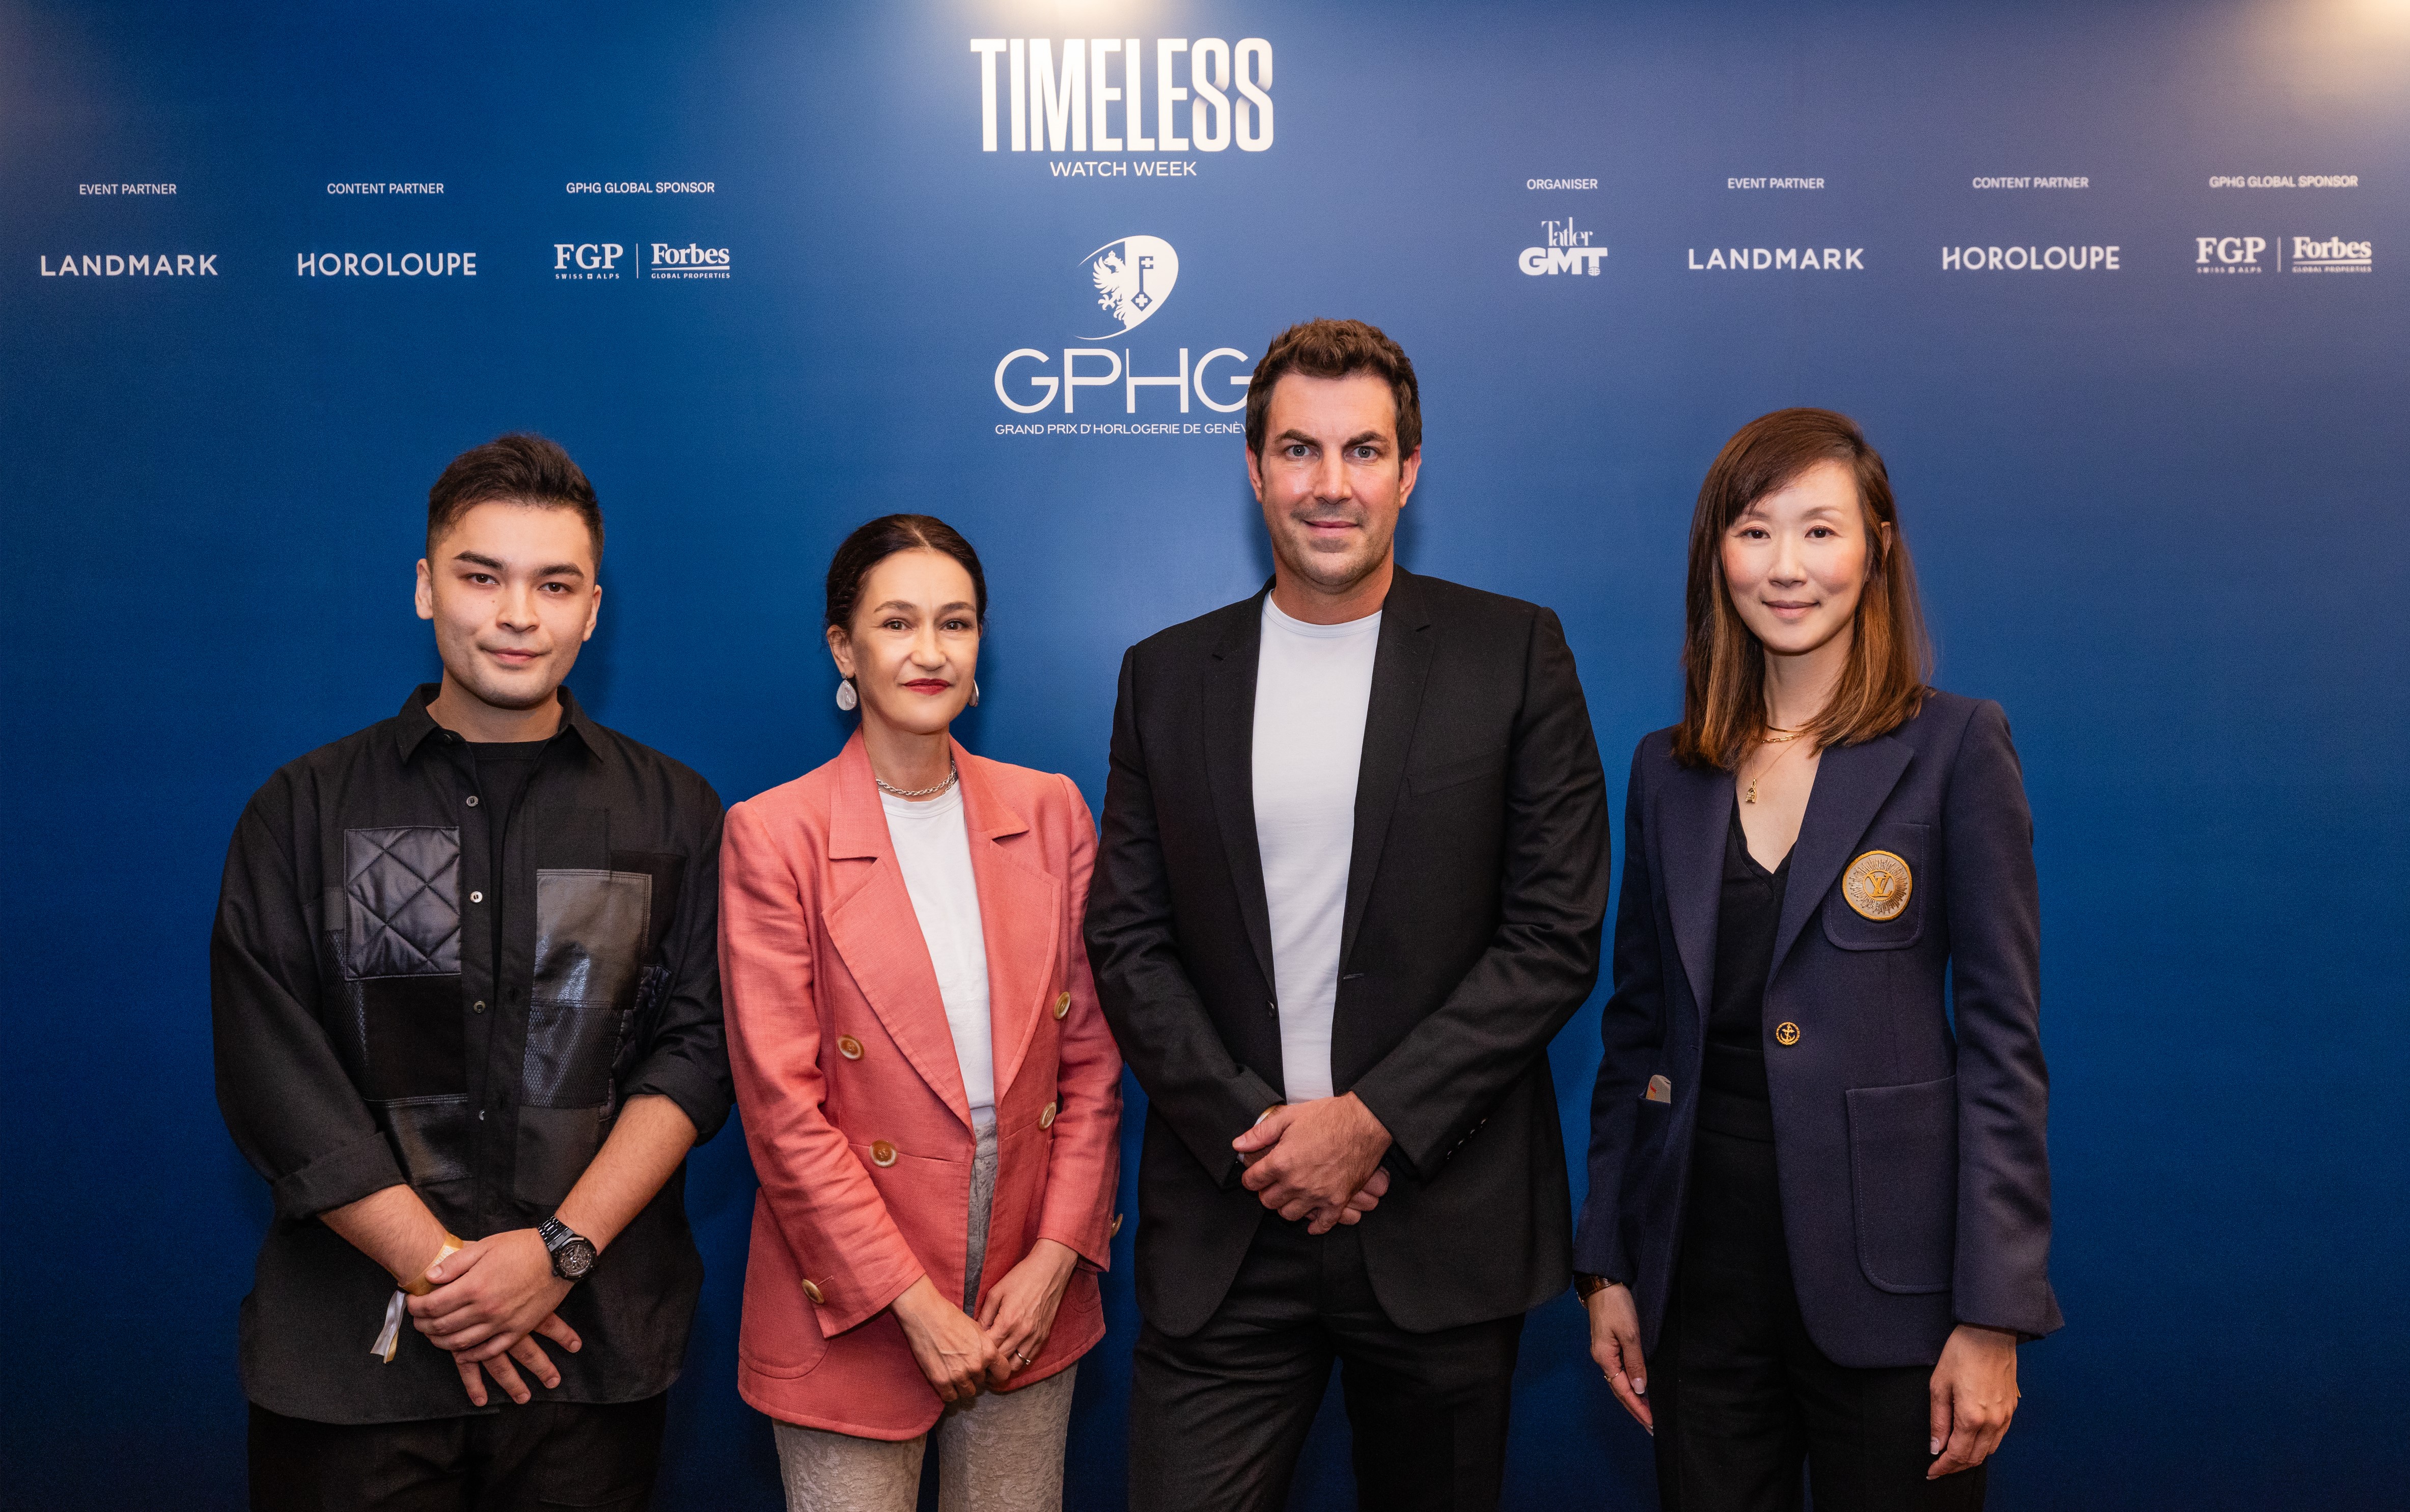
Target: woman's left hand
{"type": "Point", "coordinates": [1019, 1311]}
{"type": "Point", "coordinates": [1974, 1395]}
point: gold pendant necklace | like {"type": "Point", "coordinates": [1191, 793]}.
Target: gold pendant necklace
{"type": "Point", "coordinates": [1784, 738]}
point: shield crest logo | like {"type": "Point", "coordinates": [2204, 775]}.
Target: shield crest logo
{"type": "Point", "coordinates": [1132, 279]}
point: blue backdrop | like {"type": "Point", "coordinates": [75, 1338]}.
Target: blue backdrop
{"type": "Point", "coordinates": [2116, 288]}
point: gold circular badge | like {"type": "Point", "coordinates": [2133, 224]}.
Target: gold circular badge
{"type": "Point", "coordinates": [1877, 885]}
{"type": "Point", "coordinates": [1787, 1033]}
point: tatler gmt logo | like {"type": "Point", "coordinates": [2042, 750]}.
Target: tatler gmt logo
{"type": "Point", "coordinates": [1566, 250]}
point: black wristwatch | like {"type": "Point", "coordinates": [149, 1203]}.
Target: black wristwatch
{"type": "Point", "coordinates": [573, 1252]}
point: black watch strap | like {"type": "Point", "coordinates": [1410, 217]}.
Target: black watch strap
{"type": "Point", "coordinates": [573, 1252]}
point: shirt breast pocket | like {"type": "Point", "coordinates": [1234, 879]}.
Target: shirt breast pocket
{"type": "Point", "coordinates": [1880, 900]}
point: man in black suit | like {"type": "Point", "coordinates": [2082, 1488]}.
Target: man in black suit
{"type": "Point", "coordinates": [1351, 879]}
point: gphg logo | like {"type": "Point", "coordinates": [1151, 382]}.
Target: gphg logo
{"type": "Point", "coordinates": [2231, 250]}
{"type": "Point", "coordinates": [1567, 251]}
{"type": "Point", "coordinates": [1133, 277]}
{"type": "Point", "coordinates": [1130, 279]}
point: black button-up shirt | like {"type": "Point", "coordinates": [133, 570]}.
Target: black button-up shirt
{"type": "Point", "coordinates": [403, 995]}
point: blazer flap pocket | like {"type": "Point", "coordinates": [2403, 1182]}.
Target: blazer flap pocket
{"type": "Point", "coordinates": [1879, 902]}
{"type": "Point", "coordinates": [1904, 1183]}
{"type": "Point", "coordinates": [1443, 775]}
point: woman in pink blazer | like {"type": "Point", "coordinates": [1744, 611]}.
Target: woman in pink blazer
{"type": "Point", "coordinates": [929, 1091]}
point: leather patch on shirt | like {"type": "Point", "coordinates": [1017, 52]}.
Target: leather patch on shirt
{"type": "Point", "coordinates": [412, 1038]}
{"type": "Point", "coordinates": [401, 893]}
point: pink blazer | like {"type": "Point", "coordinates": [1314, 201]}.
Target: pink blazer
{"type": "Point", "coordinates": [852, 1098]}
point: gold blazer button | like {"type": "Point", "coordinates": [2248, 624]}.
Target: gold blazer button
{"type": "Point", "coordinates": [1786, 1033]}
{"type": "Point", "coordinates": [1046, 1116]}
{"type": "Point", "coordinates": [813, 1292]}
{"type": "Point", "coordinates": [1113, 1228]}
{"type": "Point", "coordinates": [882, 1154]}
{"type": "Point", "coordinates": [848, 1046]}
{"type": "Point", "coordinates": [1061, 1005]}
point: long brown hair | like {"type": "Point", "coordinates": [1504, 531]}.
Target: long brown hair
{"type": "Point", "coordinates": [1724, 664]}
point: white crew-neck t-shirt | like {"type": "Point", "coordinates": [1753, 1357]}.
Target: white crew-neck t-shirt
{"type": "Point", "coordinates": [935, 850]}
{"type": "Point", "coordinates": [1313, 685]}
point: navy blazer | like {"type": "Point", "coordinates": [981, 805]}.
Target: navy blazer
{"type": "Point", "coordinates": [1914, 1168]}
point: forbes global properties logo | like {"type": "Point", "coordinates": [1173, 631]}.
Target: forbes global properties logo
{"type": "Point", "coordinates": [1130, 281]}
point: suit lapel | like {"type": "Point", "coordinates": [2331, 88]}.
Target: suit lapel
{"type": "Point", "coordinates": [1400, 666]}
{"type": "Point", "coordinates": [1020, 909]}
{"type": "Point", "coordinates": [1697, 818]}
{"type": "Point", "coordinates": [1230, 768]}
{"type": "Point", "coordinates": [879, 935]}
{"type": "Point", "coordinates": [1852, 782]}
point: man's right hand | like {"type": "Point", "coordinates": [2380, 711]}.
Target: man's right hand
{"type": "Point", "coordinates": [526, 1352]}
{"type": "Point", "coordinates": [951, 1351]}
{"type": "Point", "coordinates": [1614, 1349]}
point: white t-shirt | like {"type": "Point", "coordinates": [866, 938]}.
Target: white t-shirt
{"type": "Point", "coordinates": [1313, 685]}
{"type": "Point", "coordinates": [935, 850]}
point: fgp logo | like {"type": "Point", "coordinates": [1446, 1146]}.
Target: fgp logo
{"type": "Point", "coordinates": [1133, 277]}
{"type": "Point", "coordinates": [2228, 254]}
{"type": "Point", "coordinates": [1568, 251]}
{"type": "Point", "coordinates": [1130, 281]}
{"type": "Point", "coordinates": [578, 260]}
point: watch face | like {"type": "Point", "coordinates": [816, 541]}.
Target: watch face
{"type": "Point", "coordinates": [571, 1261]}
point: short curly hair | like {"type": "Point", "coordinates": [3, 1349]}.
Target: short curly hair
{"type": "Point", "coordinates": [1334, 349]}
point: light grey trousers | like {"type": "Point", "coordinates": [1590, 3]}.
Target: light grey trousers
{"type": "Point", "coordinates": [999, 1452]}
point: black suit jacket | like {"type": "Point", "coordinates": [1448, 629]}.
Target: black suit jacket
{"type": "Point", "coordinates": [1476, 893]}
{"type": "Point", "coordinates": [1915, 1168]}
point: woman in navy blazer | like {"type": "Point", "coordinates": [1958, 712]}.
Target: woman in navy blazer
{"type": "Point", "coordinates": [1819, 1213]}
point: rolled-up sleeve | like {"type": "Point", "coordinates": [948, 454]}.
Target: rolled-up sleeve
{"type": "Point", "coordinates": [686, 1058]}
{"type": "Point", "coordinates": [293, 1112]}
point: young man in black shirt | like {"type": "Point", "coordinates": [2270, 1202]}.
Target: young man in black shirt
{"type": "Point", "coordinates": [466, 992]}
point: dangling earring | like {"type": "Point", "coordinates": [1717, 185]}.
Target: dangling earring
{"type": "Point", "coordinates": [974, 692]}
{"type": "Point", "coordinates": [845, 697]}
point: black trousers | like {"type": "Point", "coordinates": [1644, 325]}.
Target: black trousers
{"type": "Point", "coordinates": [1217, 1418]}
{"type": "Point", "coordinates": [544, 1455]}
{"type": "Point", "coordinates": [1742, 1395]}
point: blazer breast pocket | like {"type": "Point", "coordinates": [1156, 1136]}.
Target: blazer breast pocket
{"type": "Point", "coordinates": [1442, 776]}
{"type": "Point", "coordinates": [1879, 902]}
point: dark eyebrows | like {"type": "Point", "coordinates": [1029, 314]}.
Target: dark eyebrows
{"type": "Point", "coordinates": [1362, 438]}
{"type": "Point", "coordinates": [914, 609]}
{"type": "Point", "coordinates": [559, 569]}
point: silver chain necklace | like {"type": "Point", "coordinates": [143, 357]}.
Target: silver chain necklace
{"type": "Point", "coordinates": [952, 775]}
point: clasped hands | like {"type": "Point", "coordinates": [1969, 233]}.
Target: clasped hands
{"type": "Point", "coordinates": [960, 1355]}
{"type": "Point", "coordinates": [492, 1299]}
{"type": "Point", "coordinates": [1319, 1160]}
